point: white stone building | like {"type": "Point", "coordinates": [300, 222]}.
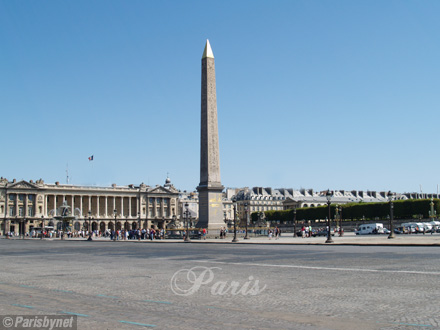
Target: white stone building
{"type": "Point", "coordinates": [26, 205]}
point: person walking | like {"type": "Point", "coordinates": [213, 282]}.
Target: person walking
{"type": "Point", "coordinates": [277, 232]}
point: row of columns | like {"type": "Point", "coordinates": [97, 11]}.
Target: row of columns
{"type": "Point", "coordinates": [121, 224]}
{"type": "Point", "coordinates": [16, 205]}
{"type": "Point", "coordinates": [151, 208]}
{"type": "Point", "coordinates": [108, 213]}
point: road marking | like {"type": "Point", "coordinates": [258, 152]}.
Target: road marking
{"type": "Point", "coordinates": [24, 306]}
{"type": "Point", "coordinates": [66, 291]}
{"type": "Point", "coordinates": [158, 302]}
{"type": "Point", "coordinates": [413, 325]}
{"type": "Point", "coordinates": [70, 313]}
{"type": "Point", "coordinates": [140, 324]}
{"type": "Point", "coordinates": [105, 296]}
{"type": "Point", "coordinates": [321, 268]}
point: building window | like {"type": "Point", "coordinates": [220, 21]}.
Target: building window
{"type": "Point", "coordinates": [151, 200]}
{"type": "Point", "coordinates": [21, 197]}
{"type": "Point", "coordinates": [12, 197]}
{"type": "Point", "coordinates": [30, 211]}
{"type": "Point", "coordinates": [20, 211]}
{"type": "Point", "coordinates": [11, 212]}
{"type": "Point", "coordinates": [31, 198]}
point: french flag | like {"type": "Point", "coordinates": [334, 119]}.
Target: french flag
{"type": "Point", "coordinates": [91, 158]}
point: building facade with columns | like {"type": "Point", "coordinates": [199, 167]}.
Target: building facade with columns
{"type": "Point", "coordinates": [26, 205]}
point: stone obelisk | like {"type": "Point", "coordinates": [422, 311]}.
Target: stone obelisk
{"type": "Point", "coordinates": [210, 188]}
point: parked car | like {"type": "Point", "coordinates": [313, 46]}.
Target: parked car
{"type": "Point", "coordinates": [386, 231]}
{"type": "Point", "coordinates": [322, 232]}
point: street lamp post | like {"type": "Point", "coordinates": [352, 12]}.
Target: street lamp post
{"type": "Point", "coordinates": [42, 227]}
{"type": "Point", "coordinates": [23, 226]}
{"type": "Point", "coordinates": [329, 234]}
{"type": "Point", "coordinates": [432, 212]}
{"type": "Point", "coordinates": [114, 228]}
{"type": "Point", "coordinates": [390, 198]}
{"type": "Point", "coordinates": [187, 239]}
{"type": "Point", "coordinates": [338, 224]}
{"type": "Point", "coordinates": [7, 228]}
{"type": "Point", "coordinates": [89, 227]}
{"type": "Point", "coordinates": [294, 222]}
{"type": "Point", "coordinates": [234, 200]}
{"type": "Point", "coordinates": [432, 215]}
{"type": "Point", "coordinates": [341, 231]}
{"type": "Point", "coordinates": [17, 222]}
{"type": "Point", "coordinates": [139, 227]}
{"type": "Point", "coordinates": [61, 228]}
{"type": "Point", "coordinates": [126, 227]}
{"type": "Point", "coordinates": [246, 215]}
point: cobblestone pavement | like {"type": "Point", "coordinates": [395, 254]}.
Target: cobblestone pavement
{"type": "Point", "coordinates": [133, 285]}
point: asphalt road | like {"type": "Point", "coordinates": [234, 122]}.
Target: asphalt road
{"type": "Point", "coordinates": [131, 285]}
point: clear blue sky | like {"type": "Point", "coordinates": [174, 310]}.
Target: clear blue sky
{"type": "Point", "coordinates": [311, 94]}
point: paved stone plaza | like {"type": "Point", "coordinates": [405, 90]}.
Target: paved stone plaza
{"type": "Point", "coordinates": [133, 285]}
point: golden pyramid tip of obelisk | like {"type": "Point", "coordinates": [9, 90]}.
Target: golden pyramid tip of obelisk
{"type": "Point", "coordinates": [208, 51]}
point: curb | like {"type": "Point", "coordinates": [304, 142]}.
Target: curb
{"type": "Point", "coordinates": [236, 243]}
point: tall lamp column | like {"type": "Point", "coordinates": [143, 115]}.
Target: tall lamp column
{"type": "Point", "coordinates": [139, 226]}
{"type": "Point", "coordinates": [89, 227]}
{"type": "Point", "coordinates": [246, 216]}
{"type": "Point", "coordinates": [114, 228]}
{"type": "Point", "coordinates": [187, 239]}
{"type": "Point", "coordinates": [390, 198]}
{"type": "Point", "coordinates": [329, 231]}
{"type": "Point", "coordinates": [42, 227]}
{"type": "Point", "coordinates": [294, 222]}
{"type": "Point", "coordinates": [234, 200]}
{"type": "Point", "coordinates": [341, 230]}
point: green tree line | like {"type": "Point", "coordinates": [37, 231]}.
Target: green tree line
{"type": "Point", "coordinates": [403, 209]}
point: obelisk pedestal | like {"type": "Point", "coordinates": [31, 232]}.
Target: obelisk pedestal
{"type": "Point", "coordinates": [210, 187]}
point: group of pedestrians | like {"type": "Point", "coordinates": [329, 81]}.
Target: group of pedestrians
{"type": "Point", "coordinates": [276, 233]}
{"type": "Point", "coordinates": [149, 233]}
{"type": "Point", "coordinates": [136, 234]}
{"type": "Point", "coordinates": [306, 231]}
{"type": "Point", "coordinates": [223, 232]}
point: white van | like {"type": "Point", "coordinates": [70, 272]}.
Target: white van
{"type": "Point", "coordinates": [427, 226]}
{"type": "Point", "coordinates": [370, 228]}
{"type": "Point", "coordinates": [420, 227]}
